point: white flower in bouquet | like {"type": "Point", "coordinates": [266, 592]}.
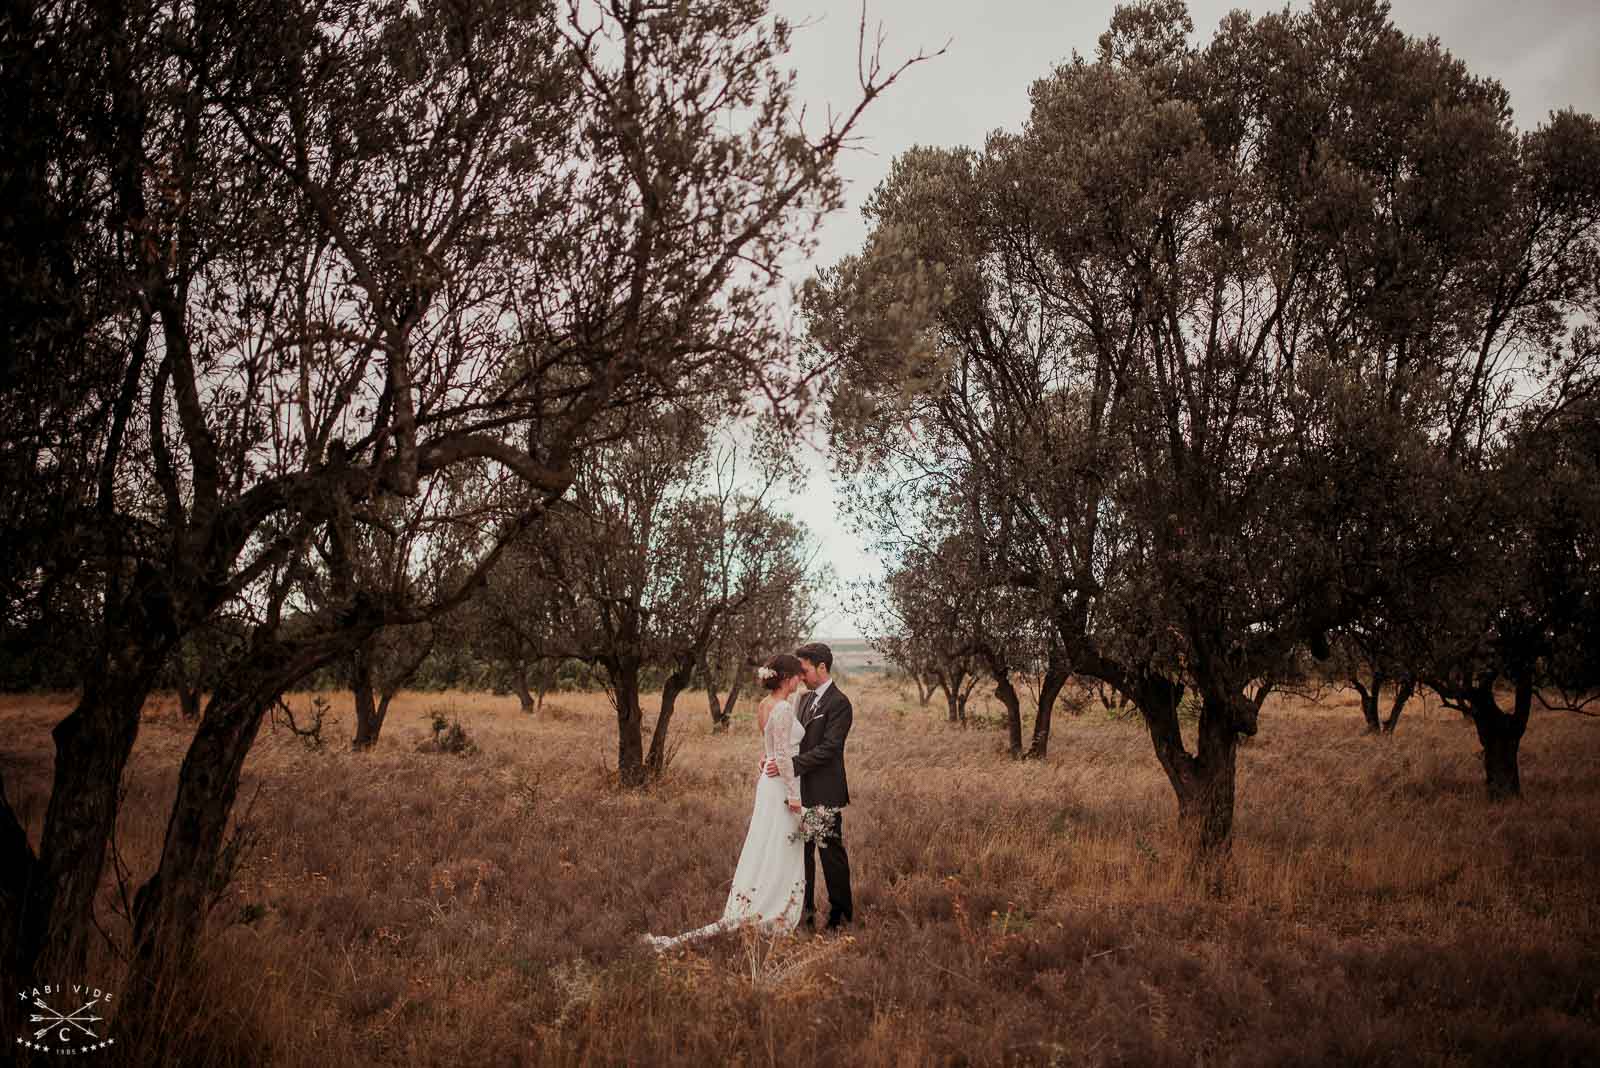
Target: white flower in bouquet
{"type": "Point", "coordinates": [816, 824]}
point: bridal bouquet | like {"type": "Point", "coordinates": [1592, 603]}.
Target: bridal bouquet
{"type": "Point", "coordinates": [816, 823]}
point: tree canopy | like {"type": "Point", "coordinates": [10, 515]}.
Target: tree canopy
{"type": "Point", "coordinates": [1194, 354]}
{"type": "Point", "coordinates": [277, 264]}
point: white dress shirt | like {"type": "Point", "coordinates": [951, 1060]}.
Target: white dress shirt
{"type": "Point", "coordinates": [811, 709]}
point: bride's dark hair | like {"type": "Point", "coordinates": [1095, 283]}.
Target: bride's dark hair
{"type": "Point", "coordinates": [782, 666]}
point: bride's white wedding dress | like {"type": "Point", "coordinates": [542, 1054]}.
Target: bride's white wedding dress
{"type": "Point", "coordinates": [769, 881]}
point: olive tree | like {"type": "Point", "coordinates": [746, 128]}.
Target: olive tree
{"type": "Point", "coordinates": [1163, 337]}
{"type": "Point", "coordinates": [921, 613]}
{"type": "Point", "coordinates": [1518, 621]}
{"type": "Point", "coordinates": [405, 554]}
{"type": "Point", "coordinates": [770, 607]}
{"type": "Point", "coordinates": [513, 624]}
{"type": "Point", "coordinates": [279, 261]}
{"type": "Point", "coordinates": [652, 569]}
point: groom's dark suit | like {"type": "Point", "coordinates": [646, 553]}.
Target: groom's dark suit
{"type": "Point", "coordinates": [820, 766]}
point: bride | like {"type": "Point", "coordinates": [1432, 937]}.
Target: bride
{"type": "Point", "coordinates": [769, 881]}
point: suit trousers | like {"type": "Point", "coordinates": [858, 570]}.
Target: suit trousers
{"type": "Point", "coordinates": [835, 872]}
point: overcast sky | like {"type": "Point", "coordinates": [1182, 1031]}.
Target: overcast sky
{"type": "Point", "coordinates": [1542, 51]}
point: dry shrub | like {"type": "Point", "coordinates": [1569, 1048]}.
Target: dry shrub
{"type": "Point", "coordinates": [449, 736]}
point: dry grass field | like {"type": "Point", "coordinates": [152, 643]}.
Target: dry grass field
{"type": "Point", "coordinates": [413, 908]}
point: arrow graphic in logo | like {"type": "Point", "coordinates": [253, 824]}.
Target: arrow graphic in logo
{"type": "Point", "coordinates": [56, 1019]}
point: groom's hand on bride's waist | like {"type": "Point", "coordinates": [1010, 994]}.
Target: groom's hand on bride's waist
{"type": "Point", "coordinates": [771, 767]}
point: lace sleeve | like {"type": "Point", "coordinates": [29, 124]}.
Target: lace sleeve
{"type": "Point", "coordinates": [780, 746]}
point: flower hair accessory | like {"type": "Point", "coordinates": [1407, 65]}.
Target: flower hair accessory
{"type": "Point", "coordinates": [764, 673]}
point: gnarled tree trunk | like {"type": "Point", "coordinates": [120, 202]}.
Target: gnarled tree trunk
{"type": "Point", "coordinates": [721, 710]}
{"type": "Point", "coordinates": [957, 687]}
{"type": "Point", "coordinates": [170, 909]}
{"type": "Point", "coordinates": [189, 694]}
{"type": "Point", "coordinates": [1013, 705]}
{"type": "Point", "coordinates": [1206, 793]}
{"type": "Point", "coordinates": [368, 719]}
{"type": "Point", "coordinates": [52, 919]}
{"type": "Point", "coordinates": [1402, 694]}
{"type": "Point", "coordinates": [1372, 701]}
{"type": "Point", "coordinates": [674, 685]}
{"type": "Point", "coordinates": [371, 713]}
{"type": "Point", "coordinates": [1000, 671]}
{"type": "Point", "coordinates": [1369, 700]}
{"type": "Point", "coordinates": [1113, 700]}
{"type": "Point", "coordinates": [1500, 733]}
{"type": "Point", "coordinates": [519, 683]}
{"type": "Point", "coordinates": [624, 674]}
{"type": "Point", "coordinates": [730, 701]}
{"type": "Point", "coordinates": [18, 869]}
{"type": "Point", "coordinates": [1203, 781]}
{"type": "Point", "coordinates": [718, 725]}
{"type": "Point", "coordinates": [1055, 677]}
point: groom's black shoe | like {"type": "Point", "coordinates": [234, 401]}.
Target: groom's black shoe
{"type": "Point", "coordinates": [838, 920]}
{"type": "Point", "coordinates": [808, 919]}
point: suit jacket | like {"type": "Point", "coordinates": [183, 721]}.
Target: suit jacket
{"type": "Point", "coordinates": [820, 761]}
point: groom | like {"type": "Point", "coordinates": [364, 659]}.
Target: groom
{"type": "Point", "coordinates": [825, 712]}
